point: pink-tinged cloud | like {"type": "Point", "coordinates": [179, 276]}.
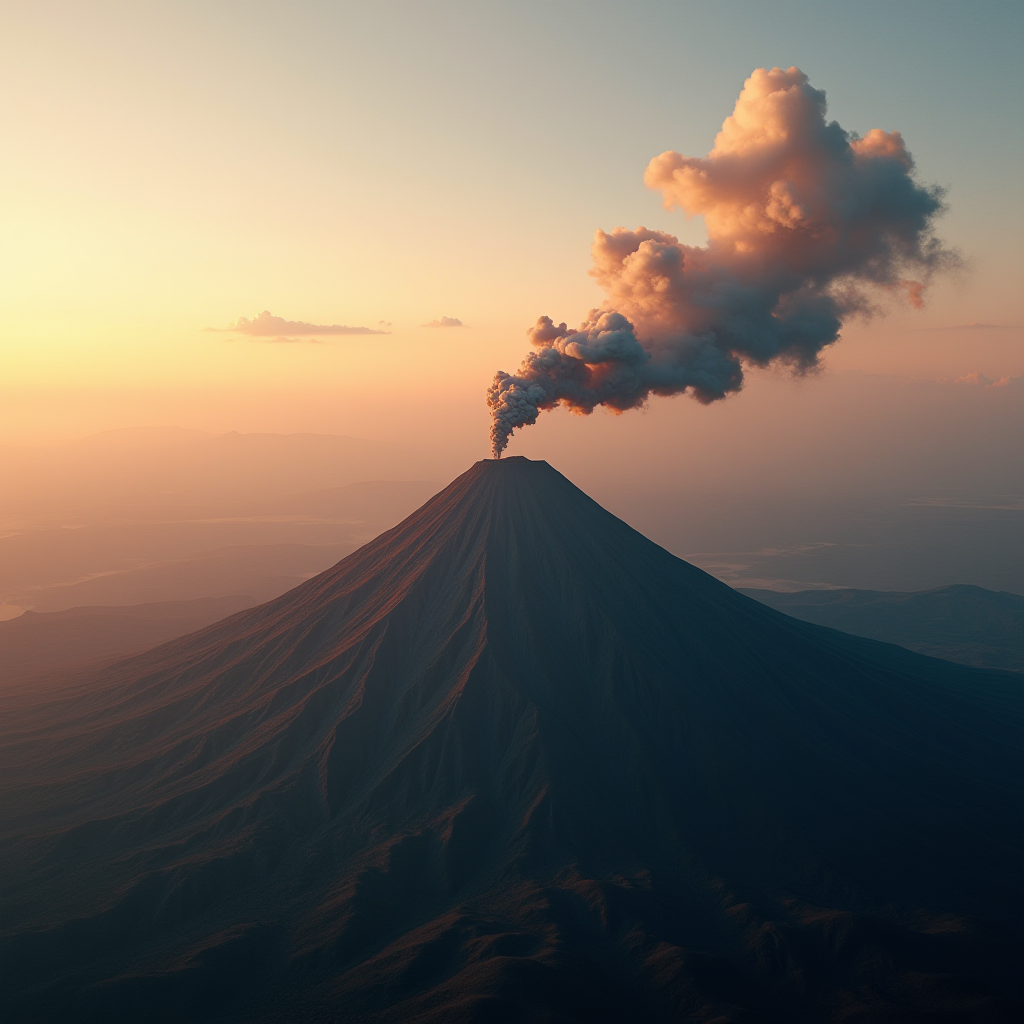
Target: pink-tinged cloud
{"type": "Point", "coordinates": [979, 380]}
{"type": "Point", "coordinates": [444, 321]}
{"type": "Point", "coordinates": [268, 326]}
{"type": "Point", "coordinates": [915, 293]}
{"type": "Point", "coordinates": [805, 222]}
{"type": "Point", "coordinates": [973, 327]}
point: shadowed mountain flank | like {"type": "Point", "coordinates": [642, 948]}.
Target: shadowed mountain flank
{"type": "Point", "coordinates": [511, 761]}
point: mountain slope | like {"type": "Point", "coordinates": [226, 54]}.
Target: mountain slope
{"type": "Point", "coordinates": [512, 761]}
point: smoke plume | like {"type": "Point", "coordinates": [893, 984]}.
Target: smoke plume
{"type": "Point", "coordinates": [804, 221]}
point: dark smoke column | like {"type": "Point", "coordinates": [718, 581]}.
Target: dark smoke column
{"type": "Point", "coordinates": [600, 364]}
{"type": "Point", "coordinates": [807, 225]}
{"type": "Point", "coordinates": [512, 404]}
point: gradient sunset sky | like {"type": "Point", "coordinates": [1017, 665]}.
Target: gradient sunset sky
{"type": "Point", "coordinates": [171, 168]}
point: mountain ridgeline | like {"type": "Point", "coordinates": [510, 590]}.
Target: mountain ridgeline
{"type": "Point", "coordinates": [512, 761]}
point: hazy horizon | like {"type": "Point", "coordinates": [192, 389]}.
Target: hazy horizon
{"type": "Point", "coordinates": [256, 238]}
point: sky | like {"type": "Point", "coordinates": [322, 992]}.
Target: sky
{"type": "Point", "coordinates": [171, 168]}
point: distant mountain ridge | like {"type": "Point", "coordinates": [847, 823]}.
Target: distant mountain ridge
{"type": "Point", "coordinates": [38, 647]}
{"type": "Point", "coordinates": [966, 624]}
{"type": "Point", "coordinates": [513, 761]}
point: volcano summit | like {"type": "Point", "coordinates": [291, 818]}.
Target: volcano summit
{"type": "Point", "coordinates": [512, 761]}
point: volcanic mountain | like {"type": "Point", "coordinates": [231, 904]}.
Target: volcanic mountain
{"type": "Point", "coordinates": [512, 761]}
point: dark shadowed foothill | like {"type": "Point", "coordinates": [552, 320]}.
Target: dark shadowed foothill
{"type": "Point", "coordinates": [512, 761]}
{"type": "Point", "coordinates": [969, 625]}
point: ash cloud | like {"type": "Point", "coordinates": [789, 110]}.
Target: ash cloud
{"type": "Point", "coordinates": [807, 225]}
{"type": "Point", "coordinates": [266, 325]}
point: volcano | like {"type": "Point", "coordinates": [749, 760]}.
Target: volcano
{"type": "Point", "coordinates": [512, 761]}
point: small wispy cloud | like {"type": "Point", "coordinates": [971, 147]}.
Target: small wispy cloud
{"type": "Point", "coordinates": [268, 327]}
{"type": "Point", "coordinates": [970, 327]}
{"type": "Point", "coordinates": [979, 380]}
{"type": "Point", "coordinates": [444, 321]}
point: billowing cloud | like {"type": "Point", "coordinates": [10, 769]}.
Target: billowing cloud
{"type": "Point", "coordinates": [266, 325]}
{"type": "Point", "coordinates": [807, 224]}
{"type": "Point", "coordinates": [444, 321]}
